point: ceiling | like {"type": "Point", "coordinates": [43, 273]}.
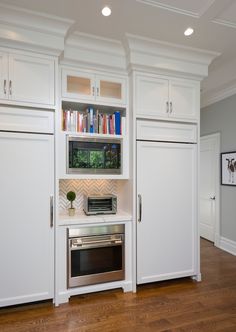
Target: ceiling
{"type": "Point", "coordinates": [214, 22]}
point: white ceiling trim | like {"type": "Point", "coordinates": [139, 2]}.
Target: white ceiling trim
{"type": "Point", "coordinates": [225, 23]}
{"type": "Point", "coordinates": [32, 30]}
{"type": "Point", "coordinates": [89, 49]}
{"type": "Point", "coordinates": [170, 8]}
{"type": "Point", "coordinates": [211, 97]}
{"type": "Point", "coordinates": [151, 53]}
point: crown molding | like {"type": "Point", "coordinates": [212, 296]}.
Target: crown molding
{"type": "Point", "coordinates": [170, 8]}
{"type": "Point", "coordinates": [150, 53]}
{"type": "Point", "coordinates": [89, 49]}
{"type": "Point", "coordinates": [31, 30]}
{"type": "Point", "coordinates": [225, 23]}
{"type": "Point", "coordinates": [213, 96]}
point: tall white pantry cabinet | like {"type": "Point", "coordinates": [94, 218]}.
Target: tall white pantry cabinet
{"type": "Point", "coordinates": [26, 177]}
{"type": "Point", "coordinates": [166, 110]}
{"type": "Point", "coordinates": [166, 177]}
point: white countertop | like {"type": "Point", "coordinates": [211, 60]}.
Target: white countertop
{"type": "Point", "coordinates": [81, 218]}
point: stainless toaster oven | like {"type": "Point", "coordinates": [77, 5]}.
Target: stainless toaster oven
{"type": "Point", "coordinates": [100, 204]}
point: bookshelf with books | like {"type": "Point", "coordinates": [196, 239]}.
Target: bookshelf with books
{"type": "Point", "coordinates": [91, 119]}
{"type": "Point", "coordinates": [98, 121]}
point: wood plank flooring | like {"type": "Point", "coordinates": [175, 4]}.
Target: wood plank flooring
{"type": "Point", "coordinates": [178, 305]}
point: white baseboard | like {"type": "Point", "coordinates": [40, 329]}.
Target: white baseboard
{"type": "Point", "coordinates": [227, 245]}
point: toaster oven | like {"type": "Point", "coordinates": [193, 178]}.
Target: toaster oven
{"type": "Point", "coordinates": [100, 204]}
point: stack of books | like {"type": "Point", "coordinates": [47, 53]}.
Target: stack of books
{"type": "Point", "coordinates": [92, 121]}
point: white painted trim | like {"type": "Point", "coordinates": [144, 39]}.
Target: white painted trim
{"type": "Point", "coordinates": [227, 245]}
{"type": "Point", "coordinates": [170, 8]}
{"type": "Point", "coordinates": [32, 30]}
{"type": "Point", "coordinates": [211, 97]}
{"type": "Point", "coordinates": [150, 53]}
{"type": "Point", "coordinates": [225, 23]}
{"type": "Point", "coordinates": [92, 50]}
{"type": "Point", "coordinates": [216, 138]}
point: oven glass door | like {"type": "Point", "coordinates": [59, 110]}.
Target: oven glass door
{"type": "Point", "coordinates": [96, 260]}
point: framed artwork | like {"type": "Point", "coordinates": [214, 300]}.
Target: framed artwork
{"type": "Point", "coordinates": [228, 168]}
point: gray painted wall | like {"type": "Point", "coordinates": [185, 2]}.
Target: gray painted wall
{"type": "Point", "coordinates": [221, 117]}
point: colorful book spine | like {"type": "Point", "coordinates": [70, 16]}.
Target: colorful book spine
{"type": "Point", "coordinates": [117, 123]}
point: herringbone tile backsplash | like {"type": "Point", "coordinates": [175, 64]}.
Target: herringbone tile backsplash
{"type": "Point", "coordinates": [81, 187]}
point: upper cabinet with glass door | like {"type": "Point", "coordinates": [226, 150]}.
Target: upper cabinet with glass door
{"type": "Point", "coordinates": [82, 85]}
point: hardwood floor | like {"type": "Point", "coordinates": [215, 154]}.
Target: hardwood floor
{"type": "Point", "coordinates": [180, 305]}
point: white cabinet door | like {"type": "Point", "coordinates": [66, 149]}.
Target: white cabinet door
{"type": "Point", "coordinates": [78, 85]}
{"type": "Point", "coordinates": [82, 85]}
{"type": "Point", "coordinates": [3, 75]}
{"type": "Point", "coordinates": [166, 235]}
{"type": "Point", "coordinates": [152, 96]}
{"type": "Point", "coordinates": [110, 89]}
{"type": "Point", "coordinates": [26, 236]}
{"type": "Point", "coordinates": [184, 99]}
{"type": "Point", "coordinates": [31, 79]}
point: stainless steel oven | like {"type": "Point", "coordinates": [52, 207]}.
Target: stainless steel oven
{"type": "Point", "coordinates": [95, 254]}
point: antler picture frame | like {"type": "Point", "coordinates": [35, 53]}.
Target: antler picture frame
{"type": "Point", "coordinates": [228, 168]}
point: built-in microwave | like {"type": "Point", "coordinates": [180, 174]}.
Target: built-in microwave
{"type": "Point", "coordinates": [90, 155]}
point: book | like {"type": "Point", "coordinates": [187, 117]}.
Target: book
{"type": "Point", "coordinates": [117, 123]}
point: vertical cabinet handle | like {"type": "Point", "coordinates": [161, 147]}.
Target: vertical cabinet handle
{"type": "Point", "coordinates": [167, 107]}
{"type": "Point", "coordinates": [171, 108]}
{"type": "Point", "coordinates": [93, 89]}
{"type": "Point", "coordinates": [5, 87]}
{"type": "Point", "coordinates": [10, 87]}
{"type": "Point", "coordinates": [97, 91]}
{"type": "Point", "coordinates": [140, 208]}
{"type": "Point", "coordinates": [51, 211]}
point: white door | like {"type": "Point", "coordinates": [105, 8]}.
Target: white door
{"type": "Point", "coordinates": [152, 95]}
{"type": "Point", "coordinates": [31, 79]}
{"type": "Point", "coordinates": [166, 234]}
{"type": "Point", "coordinates": [184, 99]}
{"type": "Point", "coordinates": [209, 186]}
{"type": "Point", "coordinates": [3, 75]}
{"type": "Point", "coordinates": [26, 237]}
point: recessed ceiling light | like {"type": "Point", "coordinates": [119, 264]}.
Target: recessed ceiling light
{"type": "Point", "coordinates": [188, 32]}
{"type": "Point", "coordinates": [106, 11]}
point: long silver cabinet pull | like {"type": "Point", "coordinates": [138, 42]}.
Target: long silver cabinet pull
{"type": "Point", "coordinates": [93, 89]}
{"type": "Point", "coordinates": [171, 108]}
{"type": "Point", "coordinates": [10, 87]}
{"type": "Point", "coordinates": [51, 211]}
{"type": "Point", "coordinates": [5, 87]}
{"type": "Point", "coordinates": [97, 91]}
{"type": "Point", "coordinates": [140, 207]}
{"type": "Point", "coordinates": [167, 107]}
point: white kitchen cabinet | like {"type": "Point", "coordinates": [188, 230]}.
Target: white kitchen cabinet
{"type": "Point", "coordinates": [87, 86]}
{"type": "Point", "coordinates": [26, 214]}
{"type": "Point", "coordinates": [166, 211]}
{"type": "Point", "coordinates": [27, 79]}
{"type": "Point", "coordinates": [164, 97]}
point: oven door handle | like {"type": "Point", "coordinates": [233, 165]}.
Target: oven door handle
{"type": "Point", "coordinates": [97, 244]}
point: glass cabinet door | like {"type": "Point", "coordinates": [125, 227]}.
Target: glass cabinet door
{"type": "Point", "coordinates": [110, 89]}
{"type": "Point", "coordinates": [77, 85]}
